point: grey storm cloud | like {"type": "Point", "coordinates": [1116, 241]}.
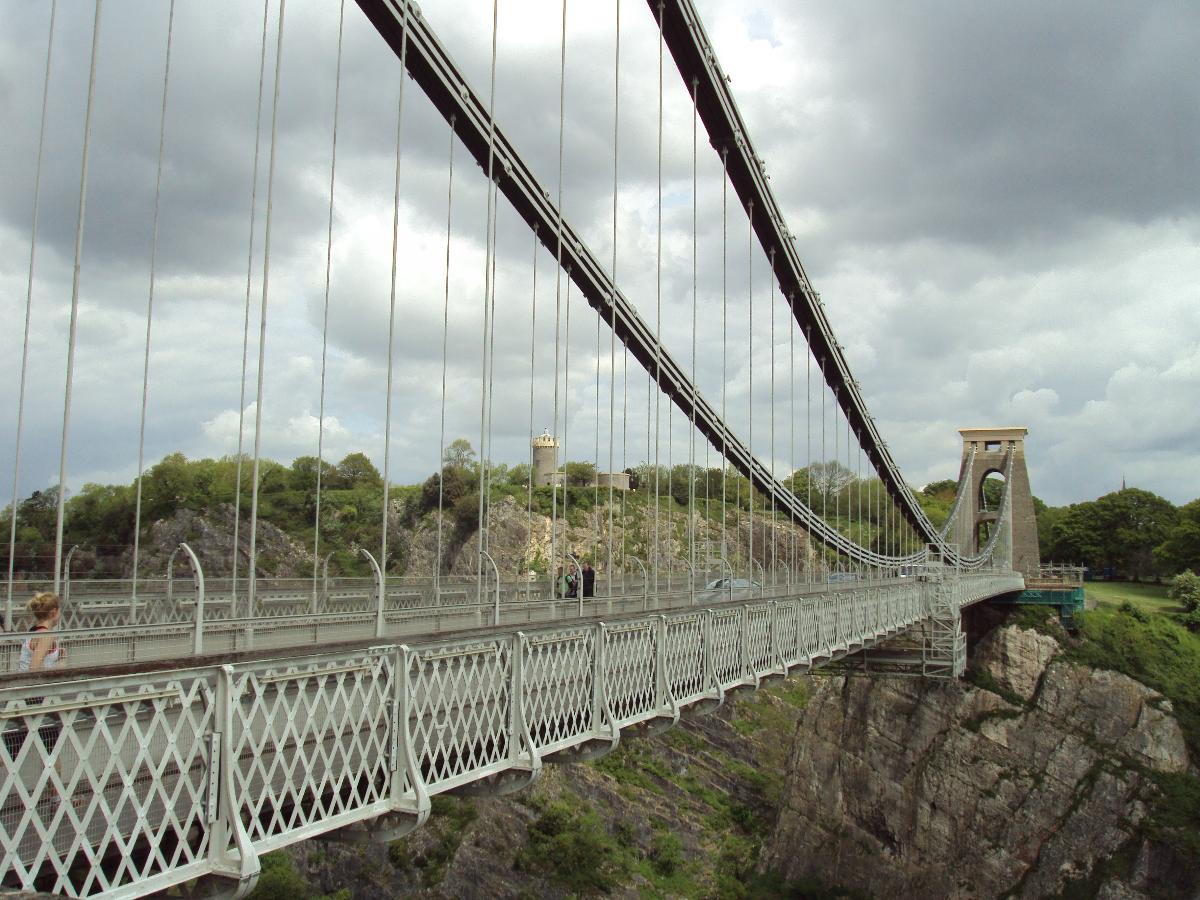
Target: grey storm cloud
{"type": "Point", "coordinates": [998, 205]}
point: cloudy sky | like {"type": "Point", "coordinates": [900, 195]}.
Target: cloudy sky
{"type": "Point", "coordinates": [999, 206]}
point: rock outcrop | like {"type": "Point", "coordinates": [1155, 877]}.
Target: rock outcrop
{"type": "Point", "coordinates": [210, 535]}
{"type": "Point", "coordinates": [518, 540]}
{"type": "Point", "coordinates": [907, 788]}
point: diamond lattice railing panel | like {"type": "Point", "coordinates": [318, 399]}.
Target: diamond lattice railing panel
{"type": "Point", "coordinates": [685, 657]}
{"type": "Point", "coordinates": [787, 631]}
{"type": "Point", "coordinates": [105, 786]}
{"type": "Point", "coordinates": [809, 637]}
{"type": "Point", "coordinates": [459, 699]}
{"type": "Point", "coordinates": [874, 612]}
{"type": "Point", "coordinates": [861, 599]}
{"type": "Point", "coordinates": [726, 650]}
{"type": "Point", "coordinates": [310, 741]}
{"type": "Point", "coordinates": [558, 676]}
{"type": "Point", "coordinates": [629, 669]}
{"type": "Point", "coordinates": [842, 623]}
{"type": "Point", "coordinates": [827, 617]}
{"type": "Point", "coordinates": [892, 602]}
{"type": "Point", "coordinates": [758, 638]}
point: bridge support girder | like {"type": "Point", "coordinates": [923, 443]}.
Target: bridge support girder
{"type": "Point", "coordinates": [382, 829]}
{"type": "Point", "coordinates": [502, 783]}
{"type": "Point", "coordinates": [934, 648]}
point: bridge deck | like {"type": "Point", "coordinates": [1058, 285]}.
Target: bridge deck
{"type": "Point", "coordinates": [128, 783]}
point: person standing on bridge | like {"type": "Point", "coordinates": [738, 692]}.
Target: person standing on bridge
{"type": "Point", "coordinates": [42, 652]}
{"type": "Point", "coordinates": [589, 580]}
{"type": "Point", "coordinates": [37, 653]}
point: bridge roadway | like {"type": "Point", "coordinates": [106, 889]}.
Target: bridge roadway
{"type": "Point", "coordinates": [122, 784]}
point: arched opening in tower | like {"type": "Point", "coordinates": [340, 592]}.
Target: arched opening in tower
{"type": "Point", "coordinates": [991, 490]}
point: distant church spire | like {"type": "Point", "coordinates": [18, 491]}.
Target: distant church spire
{"type": "Point", "coordinates": [1122, 481]}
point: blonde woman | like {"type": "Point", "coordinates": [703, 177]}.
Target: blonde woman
{"type": "Point", "coordinates": [39, 651]}
{"type": "Point", "coordinates": [42, 652]}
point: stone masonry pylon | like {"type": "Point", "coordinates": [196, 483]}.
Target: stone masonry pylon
{"type": "Point", "coordinates": [991, 446]}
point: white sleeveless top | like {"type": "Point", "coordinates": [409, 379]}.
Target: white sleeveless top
{"type": "Point", "coordinates": [49, 661]}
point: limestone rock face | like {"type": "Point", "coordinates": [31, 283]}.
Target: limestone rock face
{"type": "Point", "coordinates": [904, 788]}
{"type": "Point", "coordinates": [1116, 710]}
{"type": "Point", "coordinates": [210, 536]}
{"type": "Point", "coordinates": [1016, 658]}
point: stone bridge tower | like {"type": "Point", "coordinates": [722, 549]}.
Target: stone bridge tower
{"type": "Point", "coordinates": [991, 447]}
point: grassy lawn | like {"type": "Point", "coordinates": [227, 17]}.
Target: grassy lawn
{"type": "Point", "coordinates": [1147, 597]}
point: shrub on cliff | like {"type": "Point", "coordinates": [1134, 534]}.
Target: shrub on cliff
{"type": "Point", "coordinates": [1155, 650]}
{"type": "Point", "coordinates": [1185, 587]}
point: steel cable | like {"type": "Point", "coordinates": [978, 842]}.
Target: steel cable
{"type": "Point", "coordinates": [74, 323]}
{"type": "Point", "coordinates": [750, 370]}
{"type": "Point", "coordinates": [695, 302]}
{"type": "Point", "coordinates": [612, 331]}
{"type": "Point", "coordinates": [237, 501]}
{"type": "Point", "coordinates": [387, 413]}
{"type": "Point", "coordinates": [33, 229]}
{"type": "Point", "coordinates": [262, 326]}
{"type": "Point", "coordinates": [437, 568]}
{"type": "Point", "coordinates": [656, 390]}
{"type": "Point", "coordinates": [488, 288]}
{"type": "Point", "coordinates": [532, 372]}
{"type": "Point", "coordinates": [162, 137]}
{"type": "Point", "coordinates": [554, 478]}
{"type": "Point", "coordinates": [337, 96]}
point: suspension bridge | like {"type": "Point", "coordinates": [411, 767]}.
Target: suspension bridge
{"type": "Point", "coordinates": [205, 719]}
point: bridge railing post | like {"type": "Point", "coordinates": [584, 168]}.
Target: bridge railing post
{"type": "Point", "coordinates": [660, 663]}
{"type": "Point", "coordinates": [709, 677]}
{"type": "Point", "coordinates": [729, 566]}
{"type": "Point", "coordinates": [198, 579]}
{"type": "Point", "coordinates": [496, 605]}
{"type": "Point", "coordinates": [645, 584]}
{"type": "Point", "coordinates": [598, 681]}
{"type": "Point", "coordinates": [379, 590]}
{"type": "Point", "coordinates": [231, 852]}
{"type": "Point", "coordinates": [404, 765]}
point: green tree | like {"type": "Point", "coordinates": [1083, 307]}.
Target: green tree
{"type": "Point", "coordinates": [39, 512]}
{"type": "Point", "coordinates": [1181, 549]}
{"type": "Point", "coordinates": [455, 482]}
{"type": "Point", "coordinates": [519, 475]}
{"type": "Point", "coordinates": [100, 514]}
{"type": "Point", "coordinates": [580, 474]}
{"type": "Point", "coordinates": [944, 490]}
{"type": "Point", "coordinates": [459, 452]}
{"type": "Point", "coordinates": [1120, 530]}
{"type": "Point", "coordinates": [684, 481]}
{"type": "Point", "coordinates": [169, 485]}
{"type": "Point", "coordinates": [1139, 522]}
{"type": "Point", "coordinates": [303, 474]}
{"type": "Point", "coordinates": [1047, 518]}
{"type": "Point", "coordinates": [356, 470]}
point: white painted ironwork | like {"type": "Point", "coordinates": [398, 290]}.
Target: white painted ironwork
{"type": "Point", "coordinates": [119, 786]}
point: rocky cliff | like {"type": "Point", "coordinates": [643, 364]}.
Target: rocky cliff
{"type": "Point", "coordinates": [515, 538]}
{"type": "Point", "coordinates": [1041, 778]}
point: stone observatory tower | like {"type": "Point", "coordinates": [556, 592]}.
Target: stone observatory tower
{"type": "Point", "coordinates": [545, 459]}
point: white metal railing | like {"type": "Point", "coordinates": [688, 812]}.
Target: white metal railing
{"type": "Point", "coordinates": [184, 636]}
{"type": "Point", "coordinates": [120, 786]}
{"type": "Point", "coordinates": [101, 603]}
